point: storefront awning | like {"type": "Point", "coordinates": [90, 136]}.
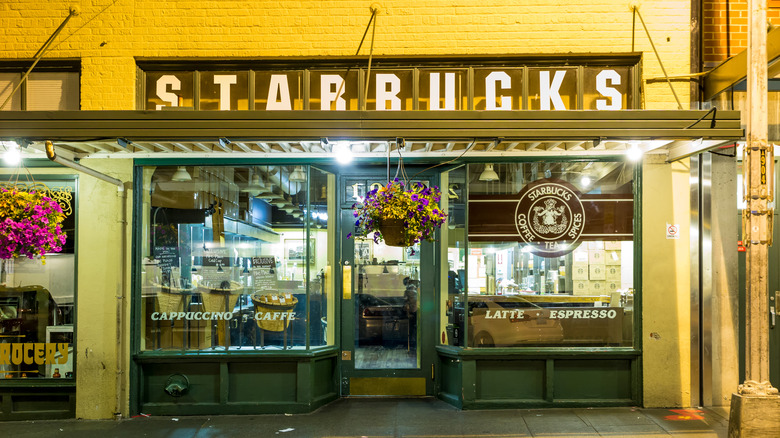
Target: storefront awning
{"type": "Point", "coordinates": [312, 134]}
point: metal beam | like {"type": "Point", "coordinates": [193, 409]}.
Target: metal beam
{"type": "Point", "coordinates": [430, 126]}
{"type": "Point", "coordinates": [438, 132]}
{"type": "Point", "coordinates": [684, 149]}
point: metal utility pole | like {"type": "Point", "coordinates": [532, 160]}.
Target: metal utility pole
{"type": "Point", "coordinates": [755, 407]}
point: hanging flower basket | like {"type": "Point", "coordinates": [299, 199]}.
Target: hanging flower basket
{"type": "Point", "coordinates": [393, 232]}
{"type": "Point", "coordinates": [399, 215]}
{"type": "Point", "coordinates": [30, 224]}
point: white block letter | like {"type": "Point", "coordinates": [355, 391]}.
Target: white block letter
{"type": "Point", "coordinates": [224, 82]}
{"type": "Point", "coordinates": [551, 91]}
{"type": "Point", "coordinates": [449, 91]}
{"type": "Point", "coordinates": [490, 91]}
{"type": "Point", "coordinates": [606, 91]}
{"type": "Point", "coordinates": [162, 89]}
{"type": "Point", "coordinates": [383, 95]}
{"type": "Point", "coordinates": [329, 92]}
{"type": "Point", "coordinates": [278, 94]}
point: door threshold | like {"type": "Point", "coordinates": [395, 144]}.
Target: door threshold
{"type": "Point", "coordinates": [387, 386]}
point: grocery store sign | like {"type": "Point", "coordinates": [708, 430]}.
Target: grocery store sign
{"type": "Point", "coordinates": [509, 87]}
{"type": "Point", "coordinates": [29, 353]}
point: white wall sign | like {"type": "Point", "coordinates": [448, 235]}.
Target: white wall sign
{"type": "Point", "coordinates": [672, 231]}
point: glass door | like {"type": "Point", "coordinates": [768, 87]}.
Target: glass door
{"type": "Point", "coordinates": [386, 288]}
{"type": "Point", "coordinates": [387, 306]}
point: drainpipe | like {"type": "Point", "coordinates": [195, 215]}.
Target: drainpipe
{"type": "Point", "coordinates": [74, 165]}
{"type": "Point", "coordinates": [121, 303]}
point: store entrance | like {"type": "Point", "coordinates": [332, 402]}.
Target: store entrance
{"type": "Point", "coordinates": [386, 308]}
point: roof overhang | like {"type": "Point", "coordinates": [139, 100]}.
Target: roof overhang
{"type": "Point", "coordinates": [427, 134]}
{"type": "Point", "coordinates": [733, 70]}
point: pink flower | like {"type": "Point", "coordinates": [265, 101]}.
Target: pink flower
{"type": "Point", "coordinates": [30, 224]}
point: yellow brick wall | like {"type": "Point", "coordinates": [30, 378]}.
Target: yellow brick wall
{"type": "Point", "coordinates": [109, 35]}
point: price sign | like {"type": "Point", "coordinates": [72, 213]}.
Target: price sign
{"type": "Point", "coordinates": [264, 273]}
{"type": "Point", "coordinates": [167, 257]}
{"type": "Point", "coordinates": [216, 267]}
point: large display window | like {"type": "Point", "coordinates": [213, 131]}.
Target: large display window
{"type": "Point", "coordinates": [37, 314]}
{"type": "Point", "coordinates": [550, 255]}
{"type": "Point", "coordinates": [236, 258]}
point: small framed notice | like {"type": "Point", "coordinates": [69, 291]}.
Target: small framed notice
{"type": "Point", "coordinates": [264, 274]}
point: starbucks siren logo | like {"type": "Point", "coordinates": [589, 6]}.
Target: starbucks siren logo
{"type": "Point", "coordinates": [549, 217]}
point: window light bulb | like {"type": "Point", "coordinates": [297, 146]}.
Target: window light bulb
{"type": "Point", "coordinates": [634, 153]}
{"type": "Point", "coordinates": [342, 152]}
{"type": "Point", "coordinates": [12, 156]}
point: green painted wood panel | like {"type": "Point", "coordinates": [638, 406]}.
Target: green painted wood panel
{"type": "Point", "coordinates": [243, 386]}
{"type": "Point", "coordinates": [203, 378]}
{"type": "Point", "coordinates": [449, 378]}
{"type": "Point", "coordinates": [32, 403]}
{"type": "Point", "coordinates": [324, 378]}
{"type": "Point", "coordinates": [510, 379]}
{"type": "Point", "coordinates": [262, 382]}
{"type": "Point", "coordinates": [588, 379]}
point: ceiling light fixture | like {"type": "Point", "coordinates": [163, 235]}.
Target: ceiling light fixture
{"type": "Point", "coordinates": [488, 174]}
{"type": "Point", "coordinates": [298, 175]}
{"type": "Point", "coordinates": [181, 175]}
{"type": "Point", "coordinates": [255, 185]}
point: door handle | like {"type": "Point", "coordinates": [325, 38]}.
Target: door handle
{"type": "Point", "coordinates": [773, 308]}
{"type": "Point", "coordinates": [346, 281]}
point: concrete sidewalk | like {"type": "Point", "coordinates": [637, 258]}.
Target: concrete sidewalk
{"type": "Point", "coordinates": [411, 418]}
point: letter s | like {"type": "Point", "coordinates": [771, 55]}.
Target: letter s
{"type": "Point", "coordinates": [613, 94]}
{"type": "Point", "coordinates": [162, 90]}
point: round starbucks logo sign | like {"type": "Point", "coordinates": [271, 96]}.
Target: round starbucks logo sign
{"type": "Point", "coordinates": [549, 217]}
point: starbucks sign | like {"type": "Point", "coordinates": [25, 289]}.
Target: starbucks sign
{"type": "Point", "coordinates": [549, 217]}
